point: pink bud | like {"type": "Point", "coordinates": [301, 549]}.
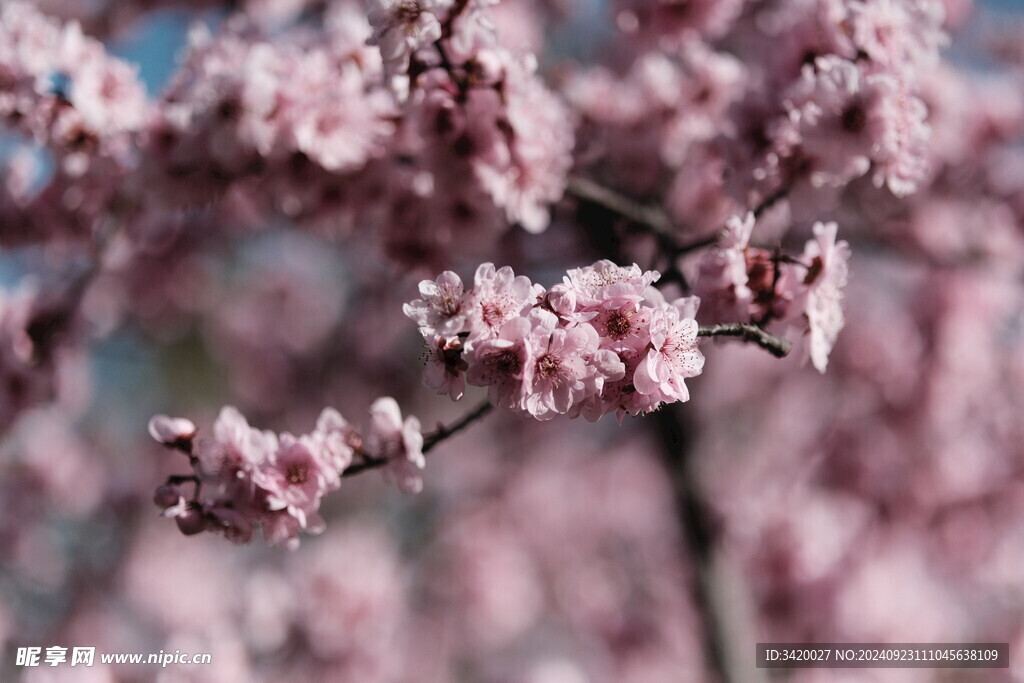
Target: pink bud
{"type": "Point", "coordinates": [562, 300]}
{"type": "Point", "coordinates": [191, 521]}
{"type": "Point", "coordinates": [167, 495]}
{"type": "Point", "coordinates": [171, 431]}
{"type": "Point", "coordinates": [487, 67]}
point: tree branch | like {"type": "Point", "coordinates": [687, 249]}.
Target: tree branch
{"type": "Point", "coordinates": [769, 201]}
{"type": "Point", "coordinates": [748, 332]}
{"type": "Point", "coordinates": [430, 440]}
{"type": "Point", "coordinates": [650, 217]}
{"type": "Point", "coordinates": [654, 218]}
{"type": "Point", "coordinates": [443, 432]}
{"type": "Point", "coordinates": [700, 536]}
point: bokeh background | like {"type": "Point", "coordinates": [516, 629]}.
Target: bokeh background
{"type": "Point", "coordinates": [880, 502]}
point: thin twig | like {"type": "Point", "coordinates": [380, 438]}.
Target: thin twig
{"type": "Point", "coordinates": [771, 200]}
{"type": "Point", "coordinates": [443, 432]}
{"type": "Point", "coordinates": [775, 345]}
{"type": "Point", "coordinates": [366, 462]}
{"type": "Point", "coordinates": [431, 439]}
{"type": "Point", "coordinates": [652, 217]}
{"type": "Point", "coordinates": [695, 244]}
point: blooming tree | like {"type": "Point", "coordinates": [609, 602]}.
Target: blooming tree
{"type": "Point", "coordinates": [802, 215]}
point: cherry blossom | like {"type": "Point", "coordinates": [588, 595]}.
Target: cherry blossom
{"type": "Point", "coordinates": [399, 443]}
{"type": "Point", "coordinates": [673, 358]}
{"type": "Point", "coordinates": [826, 276]}
{"type": "Point", "coordinates": [400, 27]}
{"type": "Point", "coordinates": [207, 203]}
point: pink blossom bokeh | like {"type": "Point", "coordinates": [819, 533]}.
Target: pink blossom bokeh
{"type": "Point", "coordinates": [414, 240]}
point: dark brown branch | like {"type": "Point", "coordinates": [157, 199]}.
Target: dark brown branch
{"type": "Point", "coordinates": [773, 344]}
{"type": "Point", "coordinates": [700, 535]}
{"type": "Point", "coordinates": [769, 201]}
{"type": "Point", "coordinates": [443, 432]}
{"type": "Point", "coordinates": [367, 462]}
{"type": "Point", "coordinates": [652, 218]}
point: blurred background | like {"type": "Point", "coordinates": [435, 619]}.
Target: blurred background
{"type": "Point", "coordinates": [880, 502]}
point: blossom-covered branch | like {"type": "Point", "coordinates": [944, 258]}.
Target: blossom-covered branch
{"type": "Point", "coordinates": [245, 478]}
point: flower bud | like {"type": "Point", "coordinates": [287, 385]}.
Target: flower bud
{"type": "Point", "coordinates": [171, 431]}
{"type": "Point", "coordinates": [191, 521]}
{"type": "Point", "coordinates": [486, 67]}
{"type": "Point", "coordinates": [167, 495]}
{"type": "Point", "coordinates": [561, 300]}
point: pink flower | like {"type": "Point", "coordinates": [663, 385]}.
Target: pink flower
{"type": "Point", "coordinates": [296, 477]}
{"type": "Point", "coordinates": [825, 280]}
{"type": "Point", "coordinates": [281, 528]}
{"type": "Point", "coordinates": [561, 300]}
{"type": "Point", "coordinates": [501, 364]}
{"type": "Point", "coordinates": [902, 144]}
{"type": "Point", "coordinates": [843, 118]}
{"type": "Point", "coordinates": [337, 438]}
{"type": "Point", "coordinates": [105, 91]}
{"type": "Point", "coordinates": [398, 442]}
{"type": "Point", "coordinates": [607, 285]}
{"type": "Point", "coordinates": [560, 375]}
{"type": "Point", "coordinates": [445, 368]}
{"type": "Point", "coordinates": [340, 119]}
{"type": "Point", "coordinates": [171, 431]}
{"type": "Point", "coordinates": [674, 355]}
{"type": "Point", "coordinates": [473, 30]}
{"type": "Point", "coordinates": [722, 280]}
{"type": "Point", "coordinates": [898, 35]}
{"type": "Point", "coordinates": [235, 448]}
{"type": "Point", "coordinates": [830, 121]}
{"type": "Point", "coordinates": [619, 394]}
{"type": "Point", "coordinates": [531, 173]}
{"type": "Point", "coordinates": [400, 27]}
{"type": "Point", "coordinates": [498, 297]}
{"type": "Point", "coordinates": [442, 308]}
{"type": "Point", "coordinates": [626, 326]}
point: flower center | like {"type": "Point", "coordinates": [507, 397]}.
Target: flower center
{"type": "Point", "coordinates": [506, 362]}
{"type": "Point", "coordinates": [297, 473]}
{"type": "Point", "coordinates": [854, 118]}
{"type": "Point", "coordinates": [814, 271]}
{"type": "Point", "coordinates": [548, 366]}
{"type": "Point", "coordinates": [448, 302]}
{"type": "Point", "coordinates": [618, 326]}
{"type": "Point", "coordinates": [493, 314]}
{"type": "Point", "coordinates": [408, 11]}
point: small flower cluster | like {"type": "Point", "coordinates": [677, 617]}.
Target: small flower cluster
{"type": "Point", "coordinates": [856, 106]}
{"type": "Point", "coordinates": [61, 88]}
{"type": "Point", "coordinates": [739, 282]}
{"type": "Point", "coordinates": [604, 340]}
{"type": "Point", "coordinates": [244, 477]}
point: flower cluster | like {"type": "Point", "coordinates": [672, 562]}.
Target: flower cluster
{"type": "Point", "coordinates": [244, 477]}
{"type": "Point", "coordinates": [855, 106]}
{"type": "Point", "coordinates": [739, 282]}
{"type": "Point", "coordinates": [61, 88]}
{"type": "Point", "coordinates": [604, 340]}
